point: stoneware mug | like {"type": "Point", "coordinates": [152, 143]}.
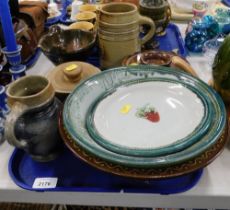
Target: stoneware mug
{"type": "Point", "coordinates": [118, 13]}
{"type": "Point", "coordinates": [86, 16]}
{"type": "Point", "coordinates": [88, 7]}
{"type": "Point", "coordinates": [82, 25]}
{"type": "Point", "coordinates": [32, 124]}
{"type": "Point", "coordinates": [118, 31]}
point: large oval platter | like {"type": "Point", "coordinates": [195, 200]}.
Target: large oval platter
{"type": "Point", "coordinates": [186, 167]}
{"type": "Point", "coordinates": [149, 117]}
{"type": "Point", "coordinates": [87, 93]}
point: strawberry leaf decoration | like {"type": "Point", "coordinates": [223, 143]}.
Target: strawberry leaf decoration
{"type": "Point", "coordinates": [148, 112]}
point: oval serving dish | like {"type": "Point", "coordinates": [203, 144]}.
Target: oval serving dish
{"type": "Point", "coordinates": [149, 117]}
{"type": "Point", "coordinates": [87, 93]}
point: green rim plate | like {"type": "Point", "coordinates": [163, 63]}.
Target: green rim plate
{"type": "Point", "coordinates": [178, 145]}
{"type": "Point", "coordinates": [82, 98]}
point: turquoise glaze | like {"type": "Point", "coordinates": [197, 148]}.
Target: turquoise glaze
{"type": "Point", "coordinates": [81, 99]}
{"type": "Point", "coordinates": [179, 145]}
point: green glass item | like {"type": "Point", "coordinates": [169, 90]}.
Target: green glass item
{"type": "Point", "coordinates": [222, 17]}
{"type": "Point", "coordinates": [221, 70]}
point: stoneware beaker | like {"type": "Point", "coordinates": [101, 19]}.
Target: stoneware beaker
{"type": "Point", "coordinates": [32, 124]}
{"type": "Point", "coordinates": [118, 13]}
{"type": "Point", "coordinates": [119, 32]}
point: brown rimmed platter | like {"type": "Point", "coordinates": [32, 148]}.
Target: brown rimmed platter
{"type": "Point", "coordinates": [160, 58]}
{"type": "Point", "coordinates": [146, 173]}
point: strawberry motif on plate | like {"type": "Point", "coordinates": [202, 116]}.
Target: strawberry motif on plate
{"type": "Point", "coordinates": [149, 113]}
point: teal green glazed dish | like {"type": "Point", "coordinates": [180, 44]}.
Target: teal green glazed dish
{"type": "Point", "coordinates": [161, 145]}
{"type": "Point", "coordinates": [80, 101]}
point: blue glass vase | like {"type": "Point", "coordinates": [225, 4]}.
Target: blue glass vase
{"type": "Point", "coordinates": [213, 28]}
{"type": "Point", "coordinates": [196, 38]}
{"type": "Point", "coordinates": [223, 18]}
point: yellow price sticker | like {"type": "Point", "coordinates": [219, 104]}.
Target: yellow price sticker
{"type": "Point", "coordinates": [125, 109]}
{"type": "Point", "coordinates": [133, 64]}
{"type": "Point", "coordinates": [71, 67]}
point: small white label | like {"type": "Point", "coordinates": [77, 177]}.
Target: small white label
{"type": "Point", "coordinates": [45, 183]}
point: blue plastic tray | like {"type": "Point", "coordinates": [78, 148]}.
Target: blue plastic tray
{"type": "Point", "coordinates": [53, 20]}
{"type": "Point", "coordinates": [94, 58]}
{"type": "Point", "coordinates": [33, 59]}
{"type": "Point", "coordinates": [226, 2]}
{"type": "Point", "coordinates": [172, 41]}
{"type": "Point", "coordinates": [75, 175]}
{"type": "Point", "coordinates": [64, 19]}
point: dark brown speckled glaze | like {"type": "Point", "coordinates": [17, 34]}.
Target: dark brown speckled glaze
{"type": "Point", "coordinates": [61, 46]}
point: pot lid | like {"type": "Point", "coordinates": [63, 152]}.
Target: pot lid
{"type": "Point", "coordinates": [66, 76]}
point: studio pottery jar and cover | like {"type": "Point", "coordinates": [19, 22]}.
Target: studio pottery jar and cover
{"type": "Point", "coordinates": [32, 124]}
{"type": "Point", "coordinates": [67, 76]}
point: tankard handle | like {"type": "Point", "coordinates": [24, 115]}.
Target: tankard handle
{"type": "Point", "coordinates": [17, 110]}
{"type": "Point", "coordinates": [147, 21]}
{"type": "Point", "coordinates": [181, 64]}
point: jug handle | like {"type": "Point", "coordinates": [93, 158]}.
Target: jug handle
{"type": "Point", "coordinates": [147, 21]}
{"type": "Point", "coordinates": [181, 64]}
{"type": "Point", "coordinates": [17, 110]}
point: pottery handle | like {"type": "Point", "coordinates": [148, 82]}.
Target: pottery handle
{"type": "Point", "coordinates": [147, 21]}
{"type": "Point", "coordinates": [166, 22]}
{"type": "Point", "coordinates": [17, 110]}
{"type": "Point", "coordinates": [183, 65]}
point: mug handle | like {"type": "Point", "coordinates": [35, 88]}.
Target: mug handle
{"type": "Point", "coordinates": [147, 21]}
{"type": "Point", "coordinates": [181, 64]}
{"type": "Point", "coordinates": [17, 110]}
{"type": "Point", "coordinates": [168, 17]}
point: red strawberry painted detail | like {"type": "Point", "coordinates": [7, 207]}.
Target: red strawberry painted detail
{"type": "Point", "coordinates": [148, 112]}
{"type": "Point", "coordinates": [152, 116]}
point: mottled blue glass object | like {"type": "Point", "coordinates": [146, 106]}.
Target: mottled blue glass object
{"type": "Point", "coordinates": [211, 48]}
{"type": "Point", "coordinates": [222, 17]}
{"type": "Point", "coordinates": [212, 26]}
{"type": "Point", "coordinates": [202, 29]}
{"type": "Point", "coordinates": [226, 29]}
{"type": "Point", "coordinates": [196, 38]}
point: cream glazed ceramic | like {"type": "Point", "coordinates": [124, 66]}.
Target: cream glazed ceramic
{"type": "Point", "coordinates": [117, 117]}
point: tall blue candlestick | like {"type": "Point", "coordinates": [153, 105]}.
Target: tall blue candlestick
{"type": "Point", "coordinates": [7, 26]}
